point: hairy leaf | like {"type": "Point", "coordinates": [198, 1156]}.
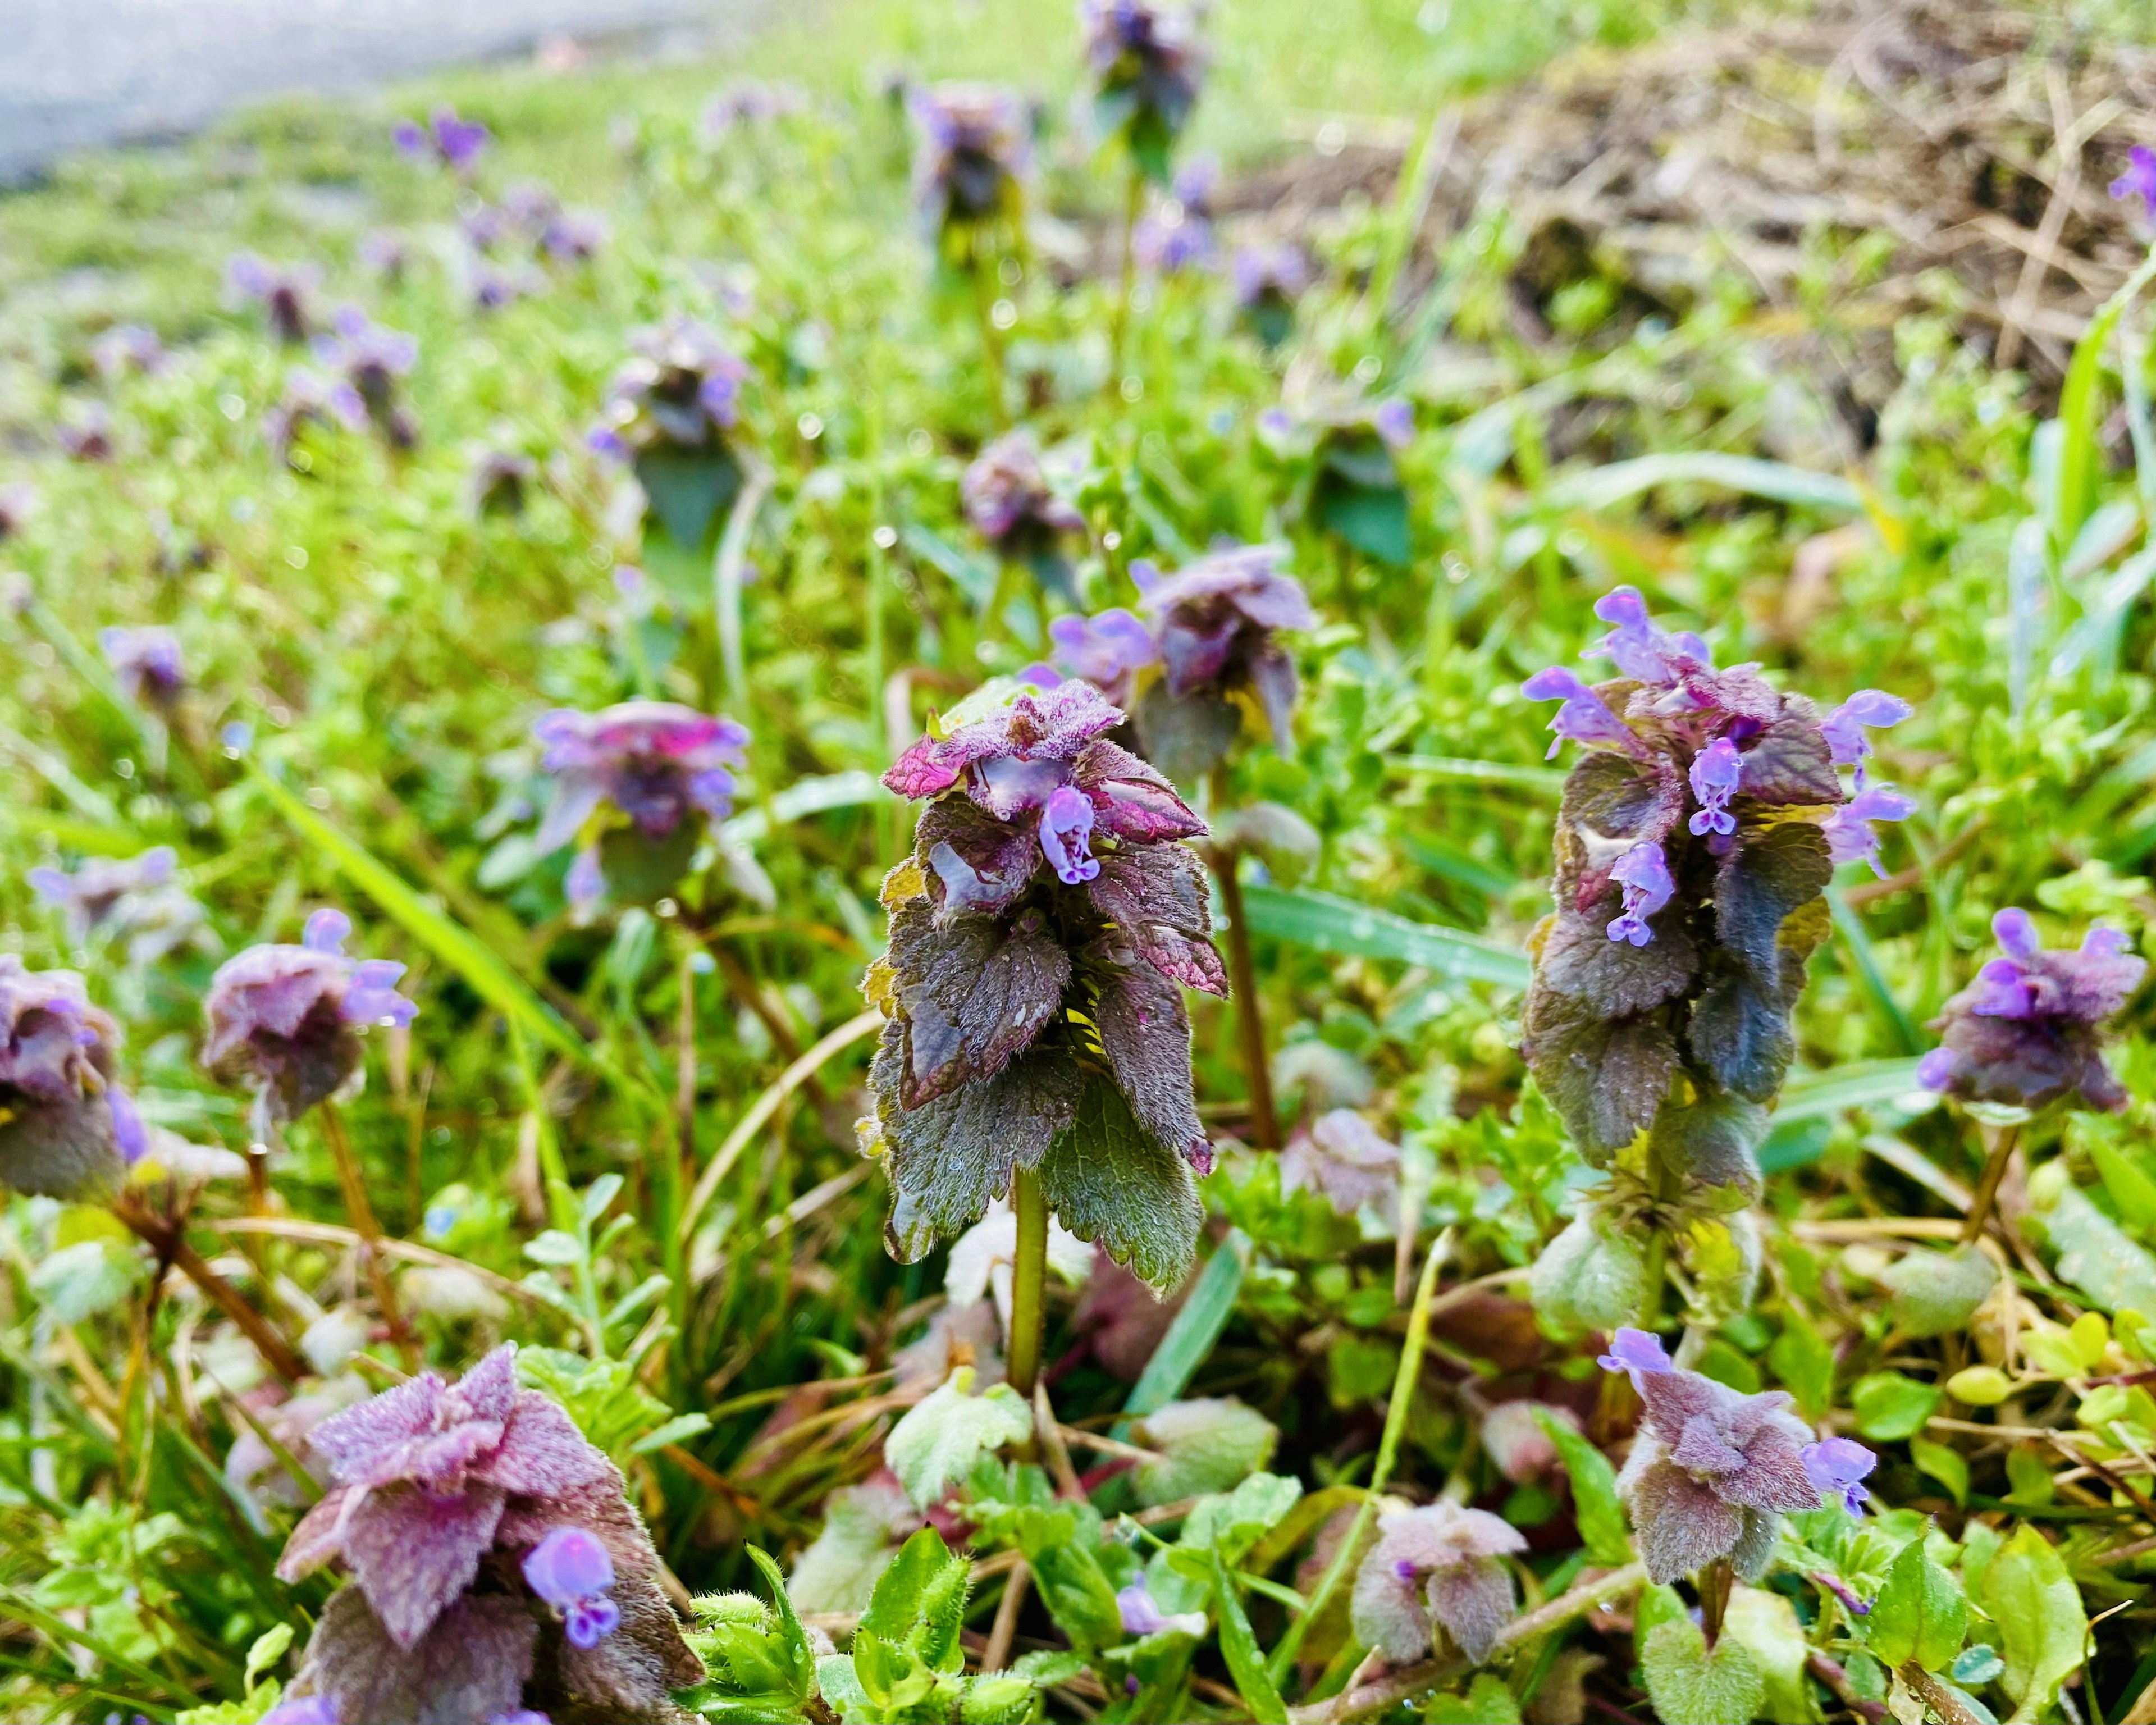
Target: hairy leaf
{"type": "Point", "coordinates": [1789, 761]}
{"type": "Point", "coordinates": [1691, 1686]}
{"type": "Point", "coordinates": [1615, 977]}
{"type": "Point", "coordinates": [1156, 895]}
{"type": "Point", "coordinates": [1110, 1181]}
{"type": "Point", "coordinates": [1919, 1615]}
{"type": "Point", "coordinates": [1772, 871]}
{"type": "Point", "coordinates": [1740, 1029]}
{"type": "Point", "coordinates": [974, 994]}
{"type": "Point", "coordinates": [938, 1441]}
{"type": "Point", "coordinates": [2033, 1601]}
{"type": "Point", "coordinates": [1145, 1034]}
{"type": "Point", "coordinates": [470, 1666]}
{"type": "Point", "coordinates": [1606, 1078]}
{"type": "Point", "coordinates": [1186, 736]}
{"type": "Point", "coordinates": [1714, 1141]}
{"type": "Point", "coordinates": [974, 863]}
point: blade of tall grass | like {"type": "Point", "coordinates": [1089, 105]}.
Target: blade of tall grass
{"type": "Point", "coordinates": [1318, 920]}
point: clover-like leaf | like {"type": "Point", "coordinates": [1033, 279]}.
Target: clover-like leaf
{"type": "Point", "coordinates": [942, 1435]}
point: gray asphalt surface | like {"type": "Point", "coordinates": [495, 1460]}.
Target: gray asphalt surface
{"type": "Point", "coordinates": [79, 73]}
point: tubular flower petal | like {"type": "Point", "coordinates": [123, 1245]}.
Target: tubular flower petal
{"type": "Point", "coordinates": [1716, 770]}
{"type": "Point", "coordinates": [1644, 875]}
{"type": "Point", "coordinates": [67, 1130]}
{"type": "Point", "coordinates": [1838, 1467]}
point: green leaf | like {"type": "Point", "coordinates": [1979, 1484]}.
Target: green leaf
{"type": "Point", "coordinates": [82, 1280]}
{"type": "Point", "coordinates": [2094, 1253]}
{"type": "Point", "coordinates": [2081, 456]}
{"type": "Point", "coordinates": [1210, 1445]}
{"type": "Point", "coordinates": [1319, 920]}
{"type": "Point", "coordinates": [1766, 1625]}
{"type": "Point", "coordinates": [1944, 1464]}
{"type": "Point", "coordinates": [1074, 1587]}
{"type": "Point", "coordinates": [265, 1650]}
{"type": "Point", "coordinates": [1239, 1648]}
{"type": "Point", "coordinates": [1920, 1613]}
{"type": "Point", "coordinates": [2037, 1609]}
{"type": "Point", "coordinates": [1692, 1687]}
{"type": "Point", "coordinates": [1110, 1181]}
{"type": "Point", "coordinates": [555, 1249]}
{"type": "Point", "coordinates": [944, 1433]}
{"type": "Point", "coordinates": [1889, 1407]}
{"type": "Point", "coordinates": [1804, 1364]}
{"type": "Point", "coordinates": [793, 1639]}
{"type": "Point", "coordinates": [1195, 1327]}
{"type": "Point", "coordinates": [1230, 1524]}
{"type": "Point", "coordinates": [1594, 1491]}
{"type": "Point", "coordinates": [1776, 482]}
{"type": "Point", "coordinates": [1487, 1701]}
{"type": "Point", "coordinates": [678, 1429]}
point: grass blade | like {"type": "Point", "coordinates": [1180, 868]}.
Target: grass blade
{"type": "Point", "coordinates": [1776, 482]}
{"type": "Point", "coordinates": [1190, 1337]}
{"type": "Point", "coordinates": [1327, 924]}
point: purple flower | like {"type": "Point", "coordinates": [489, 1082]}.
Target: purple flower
{"type": "Point", "coordinates": [1278, 272]}
{"type": "Point", "coordinates": [444, 1496]}
{"type": "Point", "coordinates": [67, 1130]}
{"type": "Point", "coordinates": [1585, 717]}
{"type": "Point", "coordinates": [1868, 709]}
{"type": "Point", "coordinates": [303, 1710]}
{"type": "Point", "coordinates": [973, 155]}
{"type": "Point", "coordinates": [1849, 836]}
{"type": "Point", "coordinates": [750, 101]}
{"type": "Point", "coordinates": [1439, 1567]}
{"type": "Point", "coordinates": [1178, 234]}
{"type": "Point", "coordinates": [492, 287]}
{"type": "Point", "coordinates": [499, 479]}
{"type": "Point", "coordinates": [1635, 1352]}
{"type": "Point", "coordinates": [387, 252]}
{"type": "Point", "coordinates": [574, 236]}
{"type": "Point", "coordinates": [310, 398]}
{"type": "Point", "coordinates": [1217, 621]}
{"type": "Point", "coordinates": [18, 504]}
{"type": "Point", "coordinates": [2026, 1031]}
{"type": "Point", "coordinates": [571, 1571]}
{"type": "Point", "coordinates": [444, 139]}
{"type": "Point", "coordinates": [1142, 1614]}
{"type": "Point", "coordinates": [370, 359]}
{"type": "Point", "coordinates": [1716, 770]}
{"type": "Point", "coordinates": [1146, 63]}
{"type": "Point", "coordinates": [284, 1020]}
{"type": "Point", "coordinates": [84, 432]}
{"type": "Point", "coordinates": [682, 391]}
{"type": "Point", "coordinates": [146, 662]}
{"type": "Point", "coordinates": [1107, 650]}
{"type": "Point", "coordinates": [1008, 499]}
{"type": "Point", "coordinates": [1066, 830]}
{"type": "Point", "coordinates": [1644, 873]}
{"type": "Point", "coordinates": [1393, 421]}
{"type": "Point", "coordinates": [127, 348]}
{"type": "Point", "coordinates": [1837, 1468]}
{"type": "Point", "coordinates": [1712, 1472]}
{"type": "Point", "coordinates": [134, 900]}
{"type": "Point", "coordinates": [1637, 648]}
{"type": "Point", "coordinates": [284, 291]}
{"type": "Point", "coordinates": [2139, 179]}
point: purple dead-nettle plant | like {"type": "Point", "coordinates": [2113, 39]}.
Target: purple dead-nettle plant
{"type": "Point", "coordinates": [499, 481]}
{"type": "Point", "coordinates": [573, 237]}
{"type": "Point", "coordinates": [67, 1129]}
{"type": "Point", "coordinates": [1269, 277]}
{"type": "Point", "coordinates": [1439, 1568]}
{"type": "Point", "coordinates": [1041, 934]}
{"type": "Point", "coordinates": [1176, 234]}
{"type": "Point", "coordinates": [750, 101]}
{"type": "Point", "coordinates": [310, 400]}
{"type": "Point", "coordinates": [2028, 1030]}
{"type": "Point", "coordinates": [284, 1021]}
{"type": "Point", "coordinates": [1010, 503]}
{"type": "Point", "coordinates": [443, 139]}
{"type": "Point", "coordinates": [495, 1563]}
{"type": "Point", "coordinates": [388, 252]}
{"type": "Point", "coordinates": [146, 662]}
{"type": "Point", "coordinates": [1217, 623]}
{"type": "Point", "coordinates": [136, 901]}
{"type": "Point", "coordinates": [637, 784]}
{"type": "Point", "coordinates": [2139, 179]}
{"type": "Point", "coordinates": [970, 166]}
{"type": "Point", "coordinates": [1146, 62]}
{"type": "Point", "coordinates": [84, 432]}
{"type": "Point", "coordinates": [1712, 1470]}
{"type": "Point", "coordinates": [370, 359]}
{"type": "Point", "coordinates": [673, 414]}
{"type": "Point", "coordinates": [284, 292]}
{"type": "Point", "coordinates": [1107, 650]}
{"type": "Point", "coordinates": [1694, 841]}
{"type": "Point", "coordinates": [127, 348]}
{"type": "Point", "coordinates": [19, 502]}
{"type": "Point", "coordinates": [1345, 1159]}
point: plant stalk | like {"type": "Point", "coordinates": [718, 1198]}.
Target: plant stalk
{"type": "Point", "coordinates": [1987, 1187]}
{"type": "Point", "coordinates": [361, 1209]}
{"type": "Point", "coordinates": [992, 339]}
{"type": "Point", "coordinates": [165, 1238]}
{"type": "Point", "coordinates": [1029, 1281]}
{"type": "Point", "coordinates": [1126, 279]}
{"type": "Point", "coordinates": [1249, 1021]}
{"type": "Point", "coordinates": [1715, 1583]}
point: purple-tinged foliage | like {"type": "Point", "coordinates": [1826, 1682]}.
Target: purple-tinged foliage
{"type": "Point", "coordinates": [146, 662]}
{"type": "Point", "coordinates": [495, 1563]}
{"type": "Point", "coordinates": [84, 432]}
{"type": "Point", "coordinates": [370, 359]}
{"type": "Point", "coordinates": [971, 163]}
{"type": "Point", "coordinates": [1344, 1158]}
{"type": "Point", "coordinates": [1009, 502]}
{"type": "Point", "coordinates": [284, 292]}
{"type": "Point", "coordinates": [1697, 837]}
{"type": "Point", "coordinates": [1712, 1470]}
{"type": "Point", "coordinates": [285, 1020]}
{"type": "Point", "coordinates": [19, 502]}
{"type": "Point", "coordinates": [1107, 650]}
{"type": "Point", "coordinates": [2139, 179]}
{"type": "Point", "coordinates": [2028, 1031]}
{"type": "Point", "coordinates": [1439, 1567]}
{"type": "Point", "coordinates": [1178, 234]}
{"type": "Point", "coordinates": [1838, 1467]}
{"type": "Point", "coordinates": [135, 901]}
{"type": "Point", "coordinates": [1040, 934]}
{"type": "Point", "coordinates": [1147, 61]}
{"type": "Point", "coordinates": [67, 1130]}
{"type": "Point", "coordinates": [310, 399]}
{"type": "Point", "coordinates": [1217, 623]}
{"type": "Point", "coordinates": [672, 413]}
{"type": "Point", "coordinates": [443, 139]}
{"type": "Point", "coordinates": [500, 480]}
{"type": "Point", "coordinates": [127, 348]}
{"type": "Point", "coordinates": [637, 783]}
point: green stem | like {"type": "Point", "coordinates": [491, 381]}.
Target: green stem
{"type": "Point", "coordinates": [1029, 1281]}
{"type": "Point", "coordinates": [1126, 274]}
{"type": "Point", "coordinates": [1987, 1186]}
{"type": "Point", "coordinates": [1715, 1583]}
{"type": "Point", "coordinates": [992, 339]}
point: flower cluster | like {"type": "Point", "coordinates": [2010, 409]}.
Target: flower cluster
{"type": "Point", "coordinates": [970, 166]}
{"type": "Point", "coordinates": [369, 359]}
{"type": "Point", "coordinates": [1146, 62]}
{"type": "Point", "coordinates": [1008, 500]}
{"type": "Point", "coordinates": [67, 1130]}
{"type": "Point", "coordinates": [285, 1020]}
{"type": "Point", "coordinates": [637, 781]}
{"type": "Point", "coordinates": [128, 347]}
{"type": "Point", "coordinates": [2026, 1031]}
{"type": "Point", "coordinates": [284, 292]}
{"type": "Point", "coordinates": [1713, 1470]}
{"type": "Point", "coordinates": [310, 398]}
{"type": "Point", "coordinates": [1178, 234]}
{"type": "Point", "coordinates": [1694, 843]}
{"type": "Point", "coordinates": [1040, 934]}
{"type": "Point", "coordinates": [135, 901]}
{"type": "Point", "coordinates": [146, 663]}
{"type": "Point", "coordinates": [532, 218]}
{"type": "Point", "coordinates": [496, 1564]}
{"type": "Point", "coordinates": [1438, 1568]}
{"type": "Point", "coordinates": [1269, 279]}
{"type": "Point", "coordinates": [1215, 622]}
{"type": "Point", "coordinates": [671, 415]}
{"type": "Point", "coordinates": [444, 139]}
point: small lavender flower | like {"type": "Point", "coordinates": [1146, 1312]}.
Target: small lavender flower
{"type": "Point", "coordinates": [1850, 836]}
{"type": "Point", "coordinates": [303, 1710]}
{"type": "Point", "coordinates": [2027, 1031]}
{"type": "Point", "coordinates": [127, 348]}
{"type": "Point", "coordinates": [284, 1020]}
{"type": "Point", "coordinates": [444, 139]}
{"type": "Point", "coordinates": [2139, 179]}
{"type": "Point", "coordinates": [1867, 710]}
{"type": "Point", "coordinates": [1712, 1472]}
{"type": "Point", "coordinates": [491, 287]}
{"type": "Point", "coordinates": [1106, 649]}
{"type": "Point", "coordinates": [970, 164]}
{"type": "Point", "coordinates": [1585, 717]}
{"type": "Point", "coordinates": [573, 236]}
{"type": "Point", "coordinates": [498, 480]}
{"type": "Point", "coordinates": [1716, 770]}
{"type": "Point", "coordinates": [1146, 62]}
{"type": "Point", "coordinates": [636, 780]}
{"type": "Point", "coordinates": [84, 432]}
{"type": "Point", "coordinates": [672, 413]}
{"type": "Point", "coordinates": [1217, 624]}
{"type": "Point", "coordinates": [1837, 1468]}
{"type": "Point", "coordinates": [370, 359]}
{"type": "Point", "coordinates": [571, 1571]}
{"type": "Point", "coordinates": [67, 1129]}
{"type": "Point", "coordinates": [1178, 234]}
{"type": "Point", "coordinates": [1439, 1567]}
{"type": "Point", "coordinates": [135, 901]}
{"type": "Point", "coordinates": [1141, 1614]}
{"type": "Point", "coordinates": [310, 399]}
{"type": "Point", "coordinates": [1635, 1352]}
{"type": "Point", "coordinates": [750, 101]}
{"type": "Point", "coordinates": [1008, 500]}
{"type": "Point", "coordinates": [18, 504]}
{"type": "Point", "coordinates": [1269, 279]}
{"type": "Point", "coordinates": [146, 662]}
{"type": "Point", "coordinates": [1644, 874]}
{"type": "Point", "coordinates": [1039, 933]}
{"type": "Point", "coordinates": [284, 291]}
